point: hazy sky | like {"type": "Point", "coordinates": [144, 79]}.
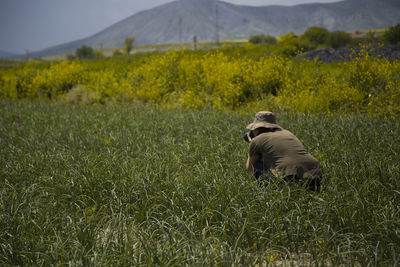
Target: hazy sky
{"type": "Point", "coordinates": [37, 24]}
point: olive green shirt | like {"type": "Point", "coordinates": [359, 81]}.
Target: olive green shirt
{"type": "Point", "coordinates": [285, 155]}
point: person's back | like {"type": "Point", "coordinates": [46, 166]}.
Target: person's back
{"type": "Point", "coordinates": [284, 154]}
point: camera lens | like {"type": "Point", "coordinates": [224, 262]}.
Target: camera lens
{"type": "Point", "coordinates": [246, 137]}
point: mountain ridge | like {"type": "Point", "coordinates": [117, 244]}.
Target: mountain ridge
{"type": "Point", "coordinates": [5, 54]}
{"type": "Point", "coordinates": [180, 20]}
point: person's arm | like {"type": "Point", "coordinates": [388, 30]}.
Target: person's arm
{"type": "Point", "coordinates": [250, 162]}
{"type": "Point", "coordinates": [252, 158]}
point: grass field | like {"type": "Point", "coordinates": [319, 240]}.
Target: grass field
{"type": "Point", "coordinates": [144, 185]}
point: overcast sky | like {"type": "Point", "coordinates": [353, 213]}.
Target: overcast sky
{"type": "Point", "coordinates": [37, 24]}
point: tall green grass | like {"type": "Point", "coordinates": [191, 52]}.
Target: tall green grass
{"type": "Point", "coordinates": [141, 185]}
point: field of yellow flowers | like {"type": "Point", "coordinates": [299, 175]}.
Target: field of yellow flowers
{"type": "Point", "coordinates": [217, 79]}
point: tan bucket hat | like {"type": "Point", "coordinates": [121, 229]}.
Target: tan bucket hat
{"type": "Point", "coordinates": [264, 119]}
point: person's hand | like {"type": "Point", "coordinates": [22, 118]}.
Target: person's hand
{"type": "Point", "coordinates": [252, 133]}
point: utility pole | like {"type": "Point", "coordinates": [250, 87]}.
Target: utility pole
{"type": "Point", "coordinates": [180, 29]}
{"type": "Point", "coordinates": [195, 42]}
{"type": "Point", "coordinates": [216, 23]}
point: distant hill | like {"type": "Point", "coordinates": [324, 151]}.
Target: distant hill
{"type": "Point", "coordinates": [210, 20]}
{"type": "Point", "coordinates": [4, 54]}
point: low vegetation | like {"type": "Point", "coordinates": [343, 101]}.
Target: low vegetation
{"type": "Point", "coordinates": [262, 39]}
{"type": "Point", "coordinates": [144, 185]}
{"type": "Point", "coordinates": [313, 38]}
{"type": "Point", "coordinates": [318, 37]}
{"type": "Point", "coordinates": [392, 35]}
{"type": "Point", "coordinates": [226, 79]}
{"type": "Point", "coordinates": [139, 159]}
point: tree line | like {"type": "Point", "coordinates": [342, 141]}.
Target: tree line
{"type": "Point", "coordinates": [290, 44]}
{"type": "Point", "coordinates": [87, 52]}
{"type": "Point", "coordinates": [315, 37]}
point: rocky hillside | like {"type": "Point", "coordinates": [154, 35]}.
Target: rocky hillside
{"type": "Point", "coordinates": [211, 20]}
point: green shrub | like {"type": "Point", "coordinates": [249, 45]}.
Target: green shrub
{"type": "Point", "coordinates": [128, 45]}
{"type": "Point", "coordinates": [117, 53]}
{"type": "Point", "coordinates": [271, 40]}
{"type": "Point", "coordinates": [262, 39]}
{"type": "Point", "coordinates": [85, 52]}
{"type": "Point", "coordinates": [316, 35]}
{"type": "Point", "coordinates": [338, 39]}
{"type": "Point", "coordinates": [392, 35]}
{"type": "Point", "coordinates": [304, 45]}
{"type": "Point", "coordinates": [256, 39]}
{"type": "Point", "coordinates": [287, 38]}
{"type": "Point", "coordinates": [288, 50]}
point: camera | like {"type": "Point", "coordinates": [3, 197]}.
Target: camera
{"type": "Point", "coordinates": [247, 135]}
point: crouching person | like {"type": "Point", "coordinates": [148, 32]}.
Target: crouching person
{"type": "Point", "coordinates": [276, 153]}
